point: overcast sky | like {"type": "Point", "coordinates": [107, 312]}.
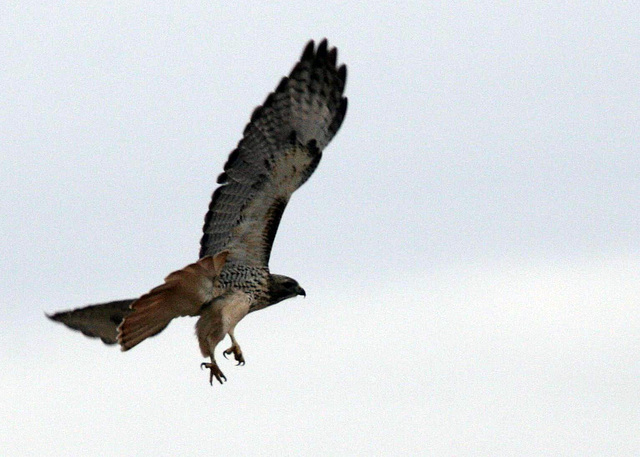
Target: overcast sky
{"type": "Point", "coordinates": [470, 244]}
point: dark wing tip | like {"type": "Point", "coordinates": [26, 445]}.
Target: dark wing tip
{"type": "Point", "coordinates": [343, 106]}
{"type": "Point", "coordinates": [342, 73]}
{"type": "Point", "coordinates": [317, 57]}
{"type": "Point", "coordinates": [321, 54]}
{"type": "Point", "coordinates": [332, 58]}
{"type": "Point", "coordinates": [308, 52]}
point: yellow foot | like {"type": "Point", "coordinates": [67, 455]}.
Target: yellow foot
{"type": "Point", "coordinates": [237, 353]}
{"type": "Point", "coordinates": [215, 371]}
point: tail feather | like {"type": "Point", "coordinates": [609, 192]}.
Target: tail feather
{"type": "Point", "coordinates": [151, 315]}
{"type": "Point", "coordinates": [137, 335]}
{"type": "Point", "coordinates": [183, 294]}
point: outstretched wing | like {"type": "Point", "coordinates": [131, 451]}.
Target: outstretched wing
{"type": "Point", "coordinates": [97, 321]}
{"type": "Point", "coordinates": [280, 149]}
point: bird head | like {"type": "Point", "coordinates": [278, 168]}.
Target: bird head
{"type": "Point", "coordinates": [283, 287]}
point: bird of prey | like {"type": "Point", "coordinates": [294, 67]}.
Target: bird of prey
{"type": "Point", "coordinates": [280, 149]}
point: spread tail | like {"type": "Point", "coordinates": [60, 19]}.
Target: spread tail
{"type": "Point", "coordinates": [183, 294]}
{"type": "Point", "coordinates": [150, 314]}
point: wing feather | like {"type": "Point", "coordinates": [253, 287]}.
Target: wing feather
{"type": "Point", "coordinates": [96, 321]}
{"type": "Point", "coordinates": [281, 147]}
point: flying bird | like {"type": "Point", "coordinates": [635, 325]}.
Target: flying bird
{"type": "Point", "coordinates": [280, 149]}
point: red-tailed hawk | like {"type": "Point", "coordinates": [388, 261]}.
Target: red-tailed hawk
{"type": "Point", "coordinates": [280, 149]}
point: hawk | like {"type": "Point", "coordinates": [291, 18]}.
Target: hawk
{"type": "Point", "coordinates": [280, 149]}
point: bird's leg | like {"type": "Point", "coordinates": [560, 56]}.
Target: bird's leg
{"type": "Point", "coordinates": [235, 350]}
{"type": "Point", "coordinates": [215, 371]}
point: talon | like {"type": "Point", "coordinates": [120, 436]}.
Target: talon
{"type": "Point", "coordinates": [215, 371]}
{"type": "Point", "coordinates": [237, 354]}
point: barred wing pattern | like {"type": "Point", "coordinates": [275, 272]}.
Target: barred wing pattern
{"type": "Point", "coordinates": [280, 149]}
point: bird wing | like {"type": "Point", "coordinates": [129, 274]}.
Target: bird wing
{"type": "Point", "coordinates": [97, 321]}
{"type": "Point", "coordinates": [281, 147]}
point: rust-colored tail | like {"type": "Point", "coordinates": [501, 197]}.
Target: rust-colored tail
{"type": "Point", "coordinates": [149, 317]}
{"type": "Point", "coordinates": [183, 294]}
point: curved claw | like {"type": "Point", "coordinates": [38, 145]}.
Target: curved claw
{"type": "Point", "coordinates": [215, 371]}
{"type": "Point", "coordinates": [237, 354]}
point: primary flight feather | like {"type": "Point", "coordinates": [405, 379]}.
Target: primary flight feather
{"type": "Point", "coordinates": [280, 149]}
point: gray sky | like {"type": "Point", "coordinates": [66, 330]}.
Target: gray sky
{"type": "Point", "coordinates": [470, 244]}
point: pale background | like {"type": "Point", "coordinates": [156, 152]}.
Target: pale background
{"type": "Point", "coordinates": [470, 244]}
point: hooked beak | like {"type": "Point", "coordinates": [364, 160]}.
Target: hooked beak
{"type": "Point", "coordinates": [300, 291]}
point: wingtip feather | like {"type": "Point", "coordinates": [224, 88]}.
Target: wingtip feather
{"type": "Point", "coordinates": [342, 73]}
{"type": "Point", "coordinates": [332, 58]}
{"type": "Point", "coordinates": [321, 53]}
{"type": "Point", "coordinates": [307, 53]}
